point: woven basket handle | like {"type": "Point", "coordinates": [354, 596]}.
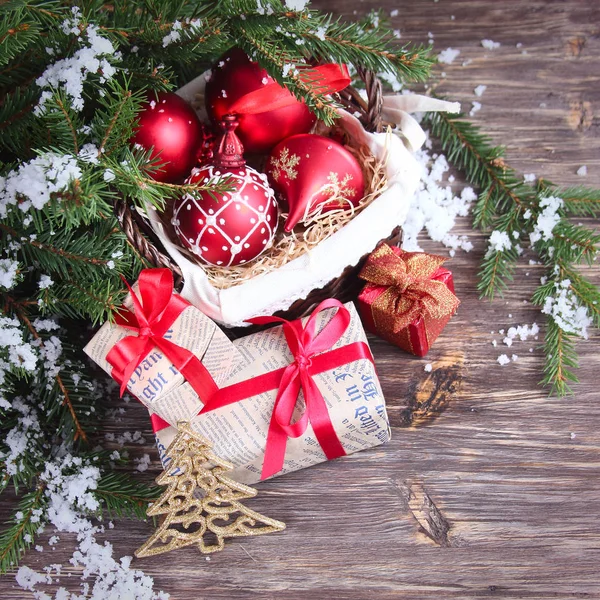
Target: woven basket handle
{"type": "Point", "coordinates": [370, 109]}
{"type": "Point", "coordinates": [144, 241]}
{"type": "Point", "coordinates": [138, 235]}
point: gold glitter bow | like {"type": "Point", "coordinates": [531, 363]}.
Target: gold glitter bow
{"type": "Point", "coordinates": [410, 290]}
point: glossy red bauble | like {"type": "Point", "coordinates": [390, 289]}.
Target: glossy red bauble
{"type": "Point", "coordinates": [170, 126]}
{"type": "Point", "coordinates": [235, 75]}
{"type": "Point", "coordinates": [314, 174]}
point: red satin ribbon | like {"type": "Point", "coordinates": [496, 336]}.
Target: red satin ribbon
{"type": "Point", "coordinates": [158, 423]}
{"type": "Point", "coordinates": [324, 79]}
{"type": "Point", "coordinates": [153, 315]}
{"type": "Point", "coordinates": [306, 347]}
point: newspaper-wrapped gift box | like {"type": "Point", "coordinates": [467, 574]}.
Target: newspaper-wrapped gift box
{"type": "Point", "coordinates": [158, 341]}
{"type": "Point", "coordinates": [305, 392]}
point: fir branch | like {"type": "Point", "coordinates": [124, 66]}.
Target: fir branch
{"type": "Point", "coordinates": [69, 253]}
{"type": "Point", "coordinates": [68, 119]}
{"type": "Point", "coordinates": [16, 35]}
{"type": "Point", "coordinates": [132, 180]}
{"type": "Point", "coordinates": [579, 201]}
{"type": "Point", "coordinates": [122, 496]}
{"type": "Point", "coordinates": [512, 208]}
{"type": "Point", "coordinates": [370, 48]}
{"type": "Point", "coordinates": [22, 532]}
{"type": "Point", "coordinates": [117, 113]}
{"type": "Point", "coordinates": [586, 292]}
{"type": "Point", "coordinates": [561, 359]}
{"type": "Point", "coordinates": [96, 301]}
{"type": "Point", "coordinates": [471, 151]}
{"type": "Point", "coordinates": [79, 432]}
{"type": "Point", "coordinates": [496, 271]}
{"type": "Point", "coordinates": [575, 243]}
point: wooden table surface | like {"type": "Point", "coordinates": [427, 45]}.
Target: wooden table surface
{"type": "Point", "coordinates": [489, 488]}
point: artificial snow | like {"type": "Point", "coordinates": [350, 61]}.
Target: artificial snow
{"type": "Point", "coordinates": [523, 332]}
{"type": "Point", "coordinates": [320, 33]}
{"type": "Point", "coordinates": [27, 578]}
{"type": "Point", "coordinates": [499, 241]}
{"type": "Point", "coordinates": [45, 282]}
{"type": "Point", "coordinates": [394, 13]}
{"type": "Point", "coordinates": [142, 463]}
{"type": "Point", "coordinates": [287, 68]}
{"type": "Point", "coordinates": [490, 45]}
{"type": "Point", "coordinates": [582, 171]}
{"type": "Point", "coordinates": [69, 74]}
{"type": "Point", "coordinates": [435, 207]}
{"type": "Point", "coordinates": [8, 273]}
{"type": "Point", "coordinates": [566, 311]}
{"type": "Point", "coordinates": [547, 219]}
{"type": "Point", "coordinates": [127, 437]}
{"type": "Point", "coordinates": [45, 325]}
{"type": "Point", "coordinates": [478, 91]}
{"type": "Point", "coordinates": [428, 368]}
{"type": "Point", "coordinates": [32, 184]}
{"type": "Point", "coordinates": [109, 175]}
{"type": "Point", "coordinates": [21, 354]}
{"type": "Point", "coordinates": [475, 107]}
{"type": "Point", "coordinates": [70, 484]}
{"type": "Point", "coordinates": [448, 55]}
{"type": "Point", "coordinates": [174, 35]}
{"type": "Point", "coordinates": [503, 360]}
{"type": "Point", "coordinates": [297, 5]}
{"type": "Point", "coordinates": [529, 178]}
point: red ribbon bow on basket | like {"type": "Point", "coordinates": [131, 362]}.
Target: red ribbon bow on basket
{"type": "Point", "coordinates": [312, 355]}
{"type": "Point", "coordinates": [154, 313]}
{"type": "Point", "coordinates": [324, 79]}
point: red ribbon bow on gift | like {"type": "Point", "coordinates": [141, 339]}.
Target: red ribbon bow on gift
{"type": "Point", "coordinates": [154, 312]}
{"type": "Point", "coordinates": [312, 355]}
{"type": "Point", "coordinates": [410, 290]}
{"type": "Point", "coordinates": [324, 79]}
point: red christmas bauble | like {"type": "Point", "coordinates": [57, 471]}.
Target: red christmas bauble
{"type": "Point", "coordinates": [235, 75]}
{"type": "Point", "coordinates": [170, 126]}
{"type": "Point", "coordinates": [314, 174]}
{"type": "Point", "coordinates": [232, 228]}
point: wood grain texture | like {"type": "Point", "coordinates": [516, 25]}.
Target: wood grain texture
{"type": "Point", "coordinates": [489, 488]}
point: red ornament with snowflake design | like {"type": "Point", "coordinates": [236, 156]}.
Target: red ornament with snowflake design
{"type": "Point", "coordinates": [170, 126]}
{"type": "Point", "coordinates": [233, 76]}
{"type": "Point", "coordinates": [235, 227]}
{"type": "Point", "coordinates": [314, 174]}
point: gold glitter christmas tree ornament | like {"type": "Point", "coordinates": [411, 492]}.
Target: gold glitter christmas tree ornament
{"type": "Point", "coordinates": [200, 501]}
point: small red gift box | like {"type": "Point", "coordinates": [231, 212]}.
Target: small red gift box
{"type": "Point", "coordinates": [409, 297]}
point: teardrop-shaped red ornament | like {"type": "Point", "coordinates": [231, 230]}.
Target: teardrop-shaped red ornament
{"type": "Point", "coordinates": [314, 174]}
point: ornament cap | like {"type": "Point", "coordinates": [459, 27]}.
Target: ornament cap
{"type": "Point", "coordinates": [230, 151]}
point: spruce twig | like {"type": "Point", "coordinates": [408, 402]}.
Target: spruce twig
{"type": "Point", "coordinates": [79, 432]}
{"type": "Point", "coordinates": [123, 496]}
{"type": "Point", "coordinates": [22, 531]}
{"type": "Point", "coordinates": [514, 210]}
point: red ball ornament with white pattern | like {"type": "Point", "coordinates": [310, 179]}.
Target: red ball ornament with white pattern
{"type": "Point", "coordinates": [235, 227]}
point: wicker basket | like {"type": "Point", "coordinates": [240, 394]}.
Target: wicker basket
{"type": "Point", "coordinates": [345, 287]}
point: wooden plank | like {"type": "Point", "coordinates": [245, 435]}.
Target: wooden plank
{"type": "Point", "coordinates": [489, 488]}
